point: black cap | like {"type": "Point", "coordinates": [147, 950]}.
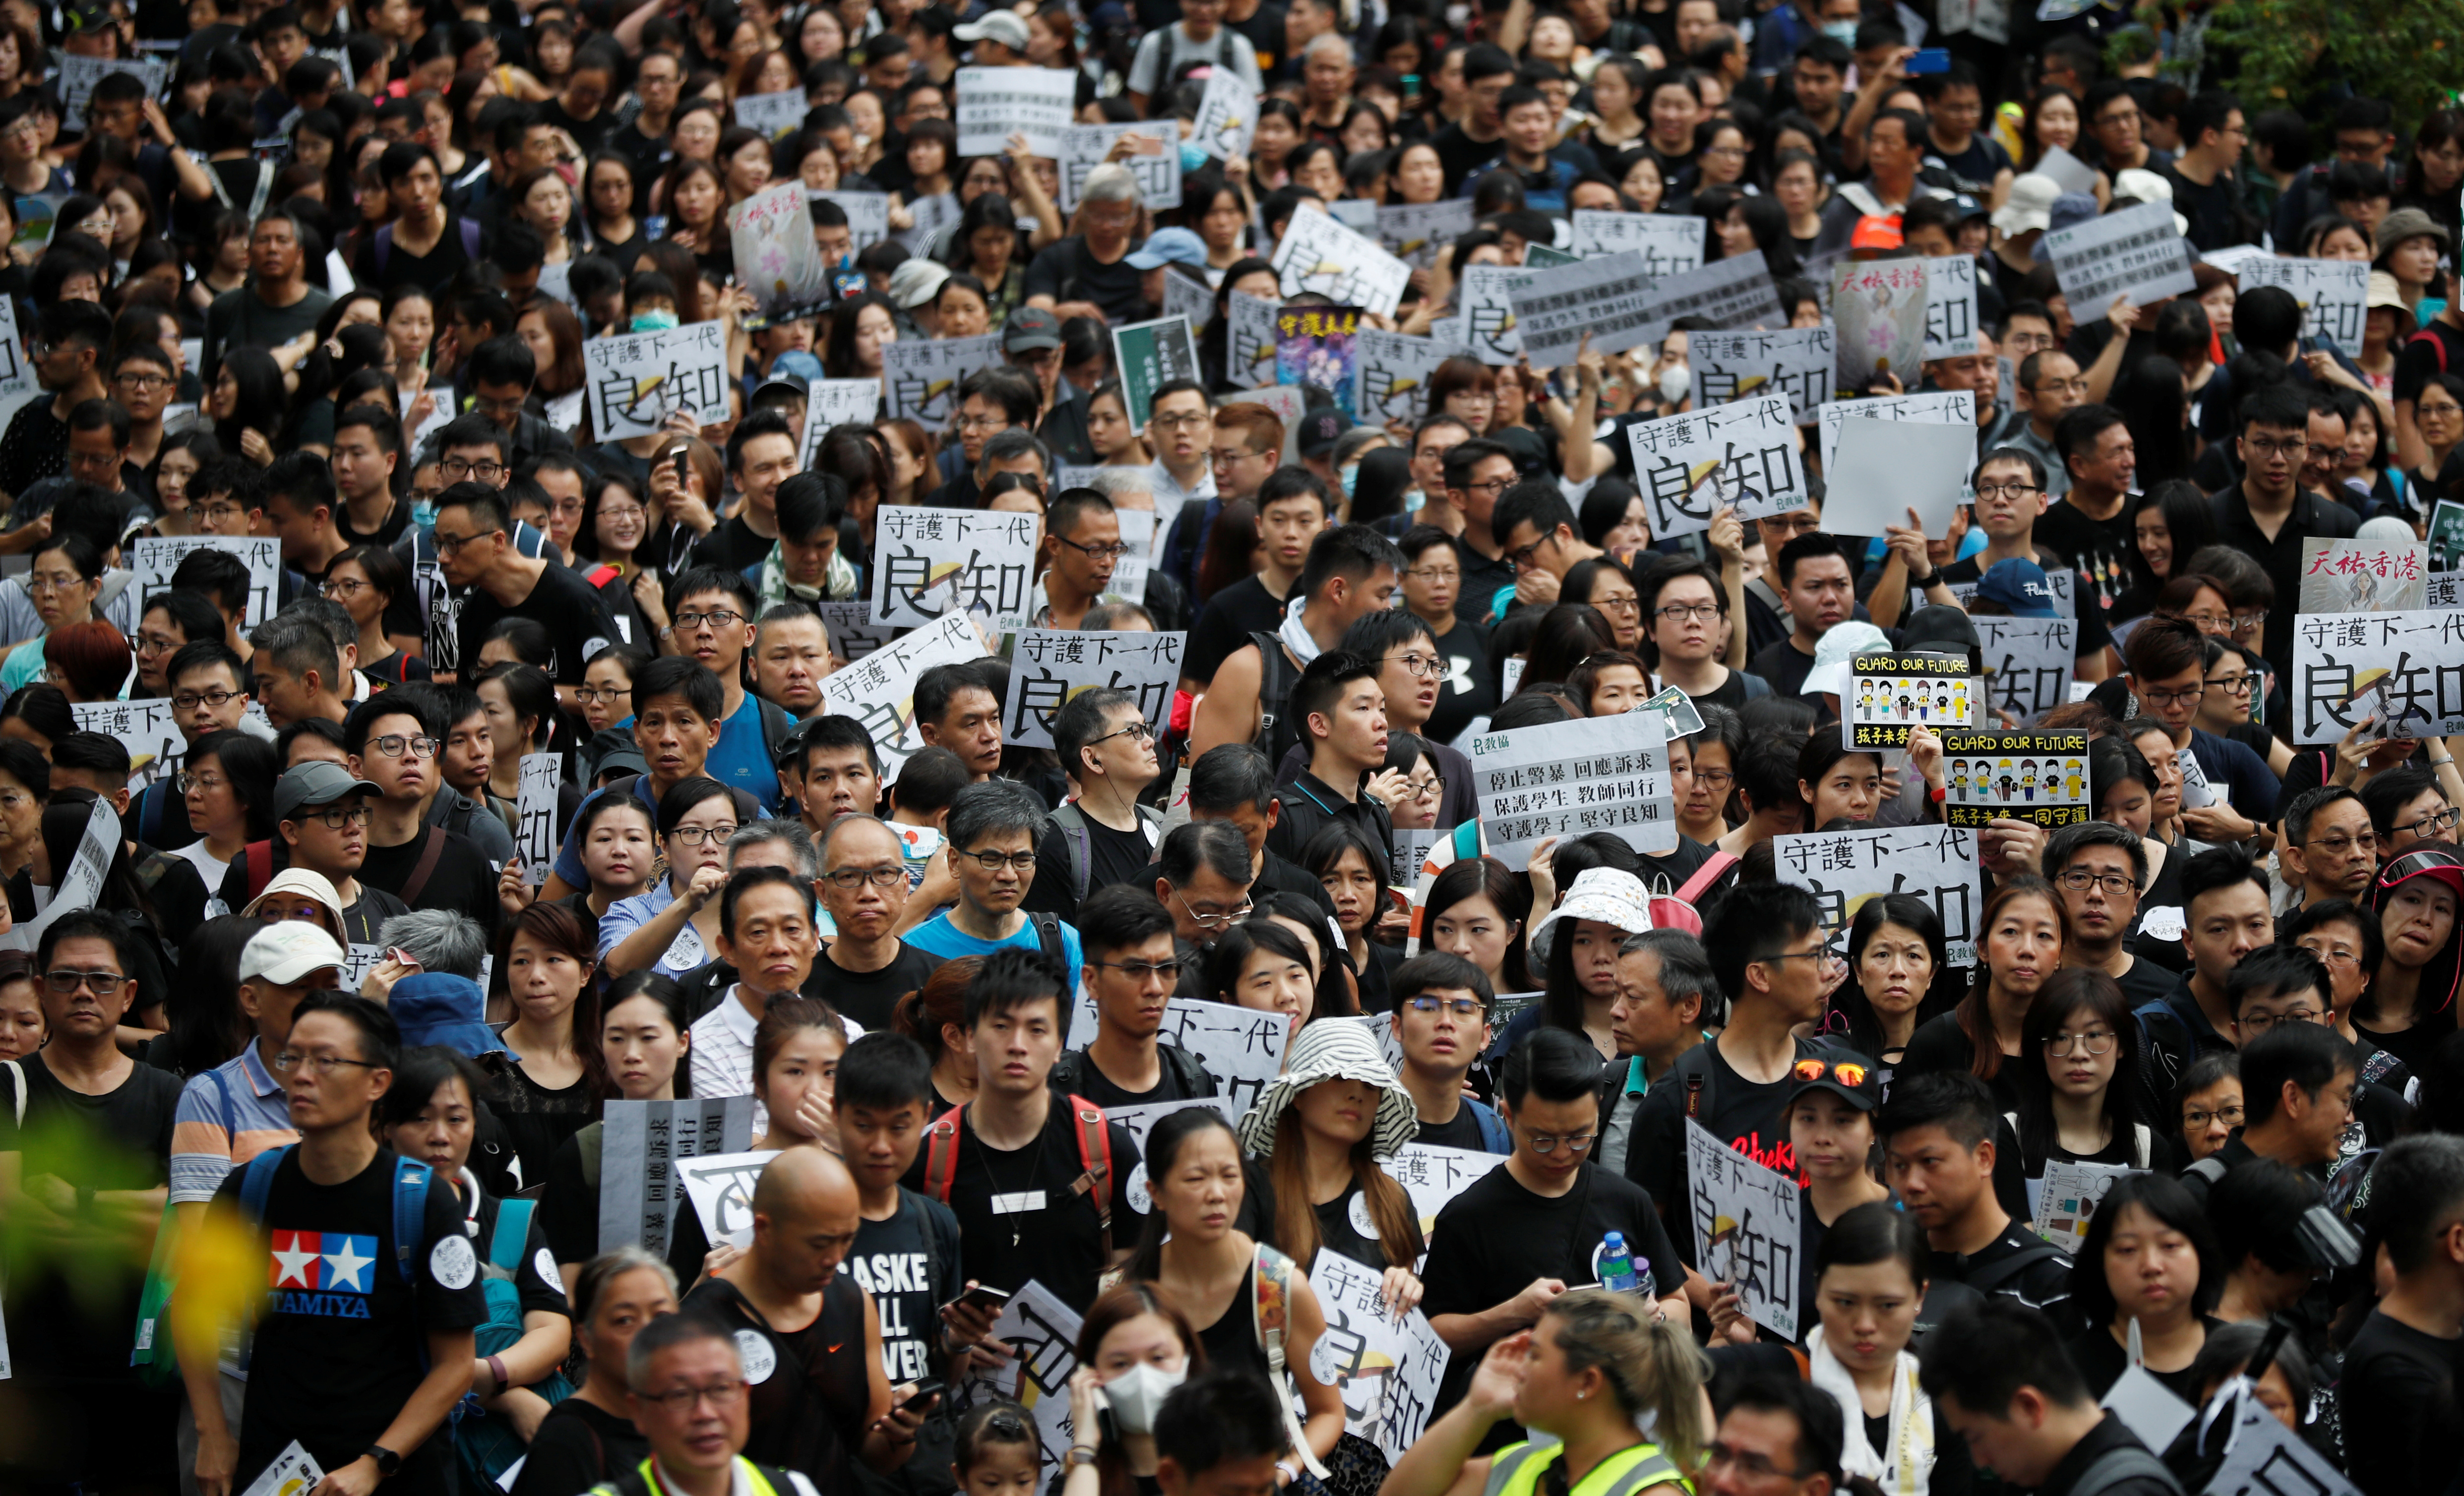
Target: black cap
{"type": "Point", "coordinates": [1851, 1077]}
{"type": "Point", "coordinates": [1321, 429]}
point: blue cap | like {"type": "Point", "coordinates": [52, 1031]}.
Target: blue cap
{"type": "Point", "coordinates": [1170, 246]}
{"type": "Point", "coordinates": [438, 1008]}
{"type": "Point", "coordinates": [2019, 585]}
{"type": "Point", "coordinates": [2069, 211]}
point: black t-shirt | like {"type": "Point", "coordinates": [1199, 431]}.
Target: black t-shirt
{"type": "Point", "coordinates": [1226, 622]}
{"type": "Point", "coordinates": [1973, 169]}
{"type": "Point", "coordinates": [1747, 1117]}
{"type": "Point", "coordinates": [342, 1338]}
{"type": "Point", "coordinates": [732, 546]}
{"type": "Point", "coordinates": [568, 608]}
{"type": "Point", "coordinates": [1783, 666]}
{"type": "Point", "coordinates": [1111, 857]}
{"type": "Point", "coordinates": [1340, 1229]}
{"type": "Point", "coordinates": [2101, 1359]}
{"type": "Point", "coordinates": [461, 881]}
{"type": "Point", "coordinates": [590, 134]}
{"type": "Point", "coordinates": [537, 1119]}
{"type": "Point", "coordinates": [579, 1445]}
{"type": "Point", "coordinates": [1068, 270]}
{"type": "Point", "coordinates": [807, 1387]}
{"type": "Point", "coordinates": [1731, 693]}
{"type": "Point", "coordinates": [1018, 1220]}
{"type": "Point", "coordinates": [1458, 153]}
{"type": "Point", "coordinates": [2044, 1284]}
{"type": "Point", "coordinates": [1464, 691]}
{"type": "Point", "coordinates": [2437, 349]}
{"type": "Point", "coordinates": [1080, 1076]}
{"type": "Point", "coordinates": [1461, 1130]}
{"type": "Point", "coordinates": [2399, 1404]}
{"type": "Point", "coordinates": [2092, 635]}
{"type": "Point", "coordinates": [649, 154]}
{"type": "Point", "coordinates": [867, 997]}
{"type": "Point", "coordinates": [402, 268]}
{"type": "Point", "coordinates": [2100, 548]}
{"type": "Point", "coordinates": [910, 1266]}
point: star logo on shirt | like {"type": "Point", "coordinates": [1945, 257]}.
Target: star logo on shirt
{"type": "Point", "coordinates": [330, 1262]}
{"type": "Point", "coordinates": [346, 1263]}
{"type": "Point", "coordinates": [295, 1255]}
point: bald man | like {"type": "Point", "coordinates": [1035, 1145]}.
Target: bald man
{"type": "Point", "coordinates": [809, 1334]}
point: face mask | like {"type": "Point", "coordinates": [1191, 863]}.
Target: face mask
{"type": "Point", "coordinates": [1413, 501]}
{"type": "Point", "coordinates": [422, 513]}
{"type": "Point", "coordinates": [1351, 479]}
{"type": "Point", "coordinates": [1675, 382]}
{"type": "Point", "coordinates": [1138, 1395]}
{"type": "Point", "coordinates": [1192, 158]}
{"type": "Point", "coordinates": [1842, 32]}
{"type": "Point", "coordinates": [654, 321]}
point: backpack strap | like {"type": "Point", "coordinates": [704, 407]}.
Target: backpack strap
{"type": "Point", "coordinates": [2437, 345]}
{"type": "Point", "coordinates": [1993, 1278]}
{"type": "Point", "coordinates": [257, 1179]}
{"type": "Point", "coordinates": [428, 856]}
{"type": "Point", "coordinates": [409, 1215]}
{"type": "Point", "coordinates": [1048, 937]}
{"type": "Point", "coordinates": [259, 859]}
{"type": "Point", "coordinates": [2123, 1464]}
{"type": "Point", "coordinates": [1702, 1096]}
{"type": "Point", "coordinates": [2143, 1145]}
{"type": "Point", "coordinates": [1271, 1274]}
{"type": "Point", "coordinates": [512, 1234]}
{"type": "Point", "coordinates": [1072, 823]}
{"type": "Point", "coordinates": [1095, 1154]}
{"type": "Point", "coordinates": [149, 815]}
{"type": "Point", "coordinates": [2209, 1169]}
{"type": "Point", "coordinates": [941, 1156]}
{"type": "Point", "coordinates": [383, 249]}
{"type": "Point", "coordinates": [1493, 1136]}
{"type": "Point", "coordinates": [1718, 863]}
{"type": "Point", "coordinates": [17, 1089]}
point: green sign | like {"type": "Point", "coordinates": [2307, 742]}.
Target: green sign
{"type": "Point", "coordinates": [1151, 354]}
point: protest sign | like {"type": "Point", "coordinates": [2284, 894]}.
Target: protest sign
{"type": "Point", "coordinates": [2135, 253]}
{"type": "Point", "coordinates": [1241, 1047]}
{"type": "Point", "coordinates": [2446, 536]}
{"type": "Point", "coordinates": [1052, 666]}
{"type": "Point", "coordinates": [1743, 454]}
{"type": "Point", "coordinates": [1154, 157]}
{"type": "Point", "coordinates": [721, 1187]}
{"type": "Point", "coordinates": [879, 689]}
{"type": "Point", "coordinates": [2333, 295]}
{"type": "Point", "coordinates": [2028, 665]}
{"type": "Point", "coordinates": [1318, 255]}
{"type": "Point", "coordinates": [535, 843]}
{"type": "Point", "coordinates": [1795, 361]}
{"type": "Point", "coordinates": [853, 635]}
{"type": "Point", "coordinates": [638, 380]}
{"type": "Point", "coordinates": [1987, 19]}
{"type": "Point", "coordinates": [2067, 1198]}
{"type": "Point", "coordinates": [77, 77]}
{"type": "Point", "coordinates": [931, 563]}
{"type": "Point", "coordinates": [1137, 533]}
{"type": "Point", "coordinates": [868, 215]}
{"type": "Point", "coordinates": [1357, 214]}
{"type": "Point", "coordinates": [1543, 256]}
{"type": "Point", "coordinates": [2363, 576]}
{"type": "Point", "coordinates": [17, 380]}
{"type": "Point", "coordinates": [2035, 777]}
{"type": "Point", "coordinates": [1889, 694]}
{"type": "Point", "coordinates": [1315, 345]}
{"type": "Point", "coordinates": [155, 744]}
{"type": "Point", "coordinates": [1042, 1333]}
{"type": "Point", "coordinates": [1879, 308]}
{"type": "Point", "coordinates": [1677, 709]}
{"type": "Point", "coordinates": [1880, 470]}
{"type": "Point", "coordinates": [1140, 1120]}
{"type": "Point", "coordinates": [1736, 292]}
{"type": "Point", "coordinates": [1845, 869]}
{"type": "Point", "coordinates": [1386, 1370]}
{"type": "Point", "coordinates": [1950, 305]}
{"type": "Point", "coordinates": [773, 116]}
{"type": "Point", "coordinates": [79, 885]}
{"type": "Point", "coordinates": [1569, 779]}
{"type": "Point", "coordinates": [1417, 233]}
{"type": "Point", "coordinates": [1227, 117]}
{"type": "Point", "coordinates": [1948, 406]}
{"type": "Point", "coordinates": [1286, 401]}
{"type": "Point", "coordinates": [294, 1472]}
{"type": "Point", "coordinates": [1670, 244]}
{"type": "Point", "coordinates": [1249, 340]}
{"type": "Point", "coordinates": [1392, 384]}
{"type": "Point", "coordinates": [775, 259]}
{"type": "Point", "coordinates": [1484, 299]}
{"type": "Point", "coordinates": [1409, 856]}
{"type": "Point", "coordinates": [639, 1191]}
{"type": "Point", "coordinates": [923, 375]}
{"type": "Point", "coordinates": [1151, 354]}
{"type": "Point", "coordinates": [2403, 671]}
{"type": "Point", "coordinates": [1433, 1175]}
{"type": "Point", "coordinates": [1187, 298]}
{"type": "Point", "coordinates": [1609, 300]}
{"type": "Point", "coordinates": [158, 557]}
{"type": "Point", "coordinates": [834, 403]}
{"type": "Point", "coordinates": [2266, 1459]}
{"type": "Point", "coordinates": [2069, 173]}
{"type": "Point", "coordinates": [930, 218]}
{"type": "Point", "coordinates": [1745, 1224]}
{"type": "Point", "coordinates": [996, 103]}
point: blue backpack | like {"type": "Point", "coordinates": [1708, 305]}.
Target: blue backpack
{"type": "Point", "coordinates": [489, 1446]}
{"type": "Point", "coordinates": [409, 1202]}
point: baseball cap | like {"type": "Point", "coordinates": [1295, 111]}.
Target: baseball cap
{"type": "Point", "coordinates": [1851, 1077]}
{"type": "Point", "coordinates": [1000, 25]}
{"type": "Point", "coordinates": [624, 761]}
{"type": "Point", "coordinates": [320, 781]}
{"type": "Point", "coordinates": [1321, 429]}
{"type": "Point", "coordinates": [1876, 233]}
{"type": "Point", "coordinates": [2019, 585]}
{"type": "Point", "coordinates": [1030, 329]}
{"type": "Point", "coordinates": [1167, 247]}
{"type": "Point", "coordinates": [916, 281]}
{"type": "Point", "coordinates": [287, 951]}
{"type": "Point", "coordinates": [2069, 211]}
{"type": "Point", "coordinates": [1837, 651]}
{"type": "Point", "coordinates": [1939, 624]}
{"type": "Point", "coordinates": [780, 386]}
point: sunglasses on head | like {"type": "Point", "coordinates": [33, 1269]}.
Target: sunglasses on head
{"type": "Point", "coordinates": [1850, 1075]}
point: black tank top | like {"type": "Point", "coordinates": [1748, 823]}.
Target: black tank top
{"type": "Point", "coordinates": [808, 1406]}
{"type": "Point", "coordinates": [1232, 1340]}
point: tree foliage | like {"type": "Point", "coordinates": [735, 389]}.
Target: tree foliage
{"type": "Point", "coordinates": [2410, 53]}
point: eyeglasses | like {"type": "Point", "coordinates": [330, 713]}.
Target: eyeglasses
{"type": "Point", "coordinates": [1682, 612]}
{"type": "Point", "coordinates": [1140, 971]}
{"type": "Point", "coordinates": [143, 384]}
{"type": "Point", "coordinates": [703, 835]}
{"type": "Point", "coordinates": [2056, 387]}
{"type": "Point", "coordinates": [463, 466]}
{"type": "Point", "coordinates": [1211, 921]}
{"type": "Point", "coordinates": [346, 587]}
{"type": "Point", "coordinates": [2235, 685]}
{"type": "Point", "coordinates": [2261, 1022]}
{"type": "Point", "coordinates": [1575, 1142]}
{"type": "Point", "coordinates": [1434, 574]}
{"type": "Point", "coordinates": [592, 695]}
{"type": "Point", "coordinates": [1181, 421]}
{"type": "Point", "coordinates": [681, 1399]}
{"type": "Point", "coordinates": [716, 618]}
{"type": "Point", "coordinates": [1626, 604]}
{"type": "Point", "coordinates": [848, 880]}
{"type": "Point", "coordinates": [1492, 486]}
{"type": "Point", "coordinates": [334, 820]}
{"type": "Point", "coordinates": [2094, 1043]}
{"type": "Point", "coordinates": [1420, 667]}
{"type": "Point", "coordinates": [2169, 698]}
{"type": "Point", "coordinates": [290, 1059]}
{"type": "Point", "coordinates": [2193, 1120]}
{"type": "Point", "coordinates": [1115, 550]}
{"type": "Point", "coordinates": [2006, 489]}
{"type": "Point", "coordinates": [2436, 824]}
{"type": "Point", "coordinates": [65, 981]}
{"type": "Point", "coordinates": [220, 513]}
{"type": "Point", "coordinates": [1135, 731]}
{"type": "Point", "coordinates": [190, 700]}
{"type": "Point", "coordinates": [448, 544]}
{"type": "Point", "coordinates": [982, 423]}
{"type": "Point", "coordinates": [995, 862]}
{"type": "Point", "coordinates": [2342, 846]}
{"type": "Point", "coordinates": [2078, 880]}
{"type": "Point", "coordinates": [1755, 1466]}
{"type": "Point", "coordinates": [1714, 778]}
{"type": "Point", "coordinates": [2336, 960]}
{"type": "Point", "coordinates": [209, 783]}
{"type": "Point", "coordinates": [1521, 555]}
{"type": "Point", "coordinates": [1426, 789]}
{"type": "Point", "coordinates": [1459, 1007]}
{"type": "Point", "coordinates": [393, 745]}
{"type": "Point", "coordinates": [2268, 447]}
{"type": "Point", "coordinates": [52, 583]}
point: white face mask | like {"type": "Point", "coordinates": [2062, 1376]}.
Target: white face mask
{"type": "Point", "coordinates": [1136, 1396]}
{"type": "Point", "coordinates": [1676, 382]}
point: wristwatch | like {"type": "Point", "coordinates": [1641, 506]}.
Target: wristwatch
{"type": "Point", "coordinates": [389, 1464]}
{"type": "Point", "coordinates": [1082, 1454]}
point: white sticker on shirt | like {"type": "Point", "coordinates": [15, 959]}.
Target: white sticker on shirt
{"type": "Point", "coordinates": [544, 1264]}
{"type": "Point", "coordinates": [1017, 1203]}
{"type": "Point", "coordinates": [760, 1360]}
{"type": "Point", "coordinates": [1140, 1200]}
{"type": "Point", "coordinates": [2165, 922]}
{"type": "Point", "coordinates": [452, 1263]}
{"type": "Point", "coordinates": [1361, 1222]}
{"type": "Point", "coordinates": [592, 645]}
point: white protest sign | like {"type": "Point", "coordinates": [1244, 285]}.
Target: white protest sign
{"type": "Point", "coordinates": [2233, 257]}
{"type": "Point", "coordinates": [2135, 253]}
{"type": "Point", "coordinates": [996, 103]}
{"type": "Point", "coordinates": [1188, 299]}
{"type": "Point", "coordinates": [1795, 360]}
{"type": "Point", "coordinates": [868, 215]}
{"type": "Point", "coordinates": [565, 413]}
{"type": "Point", "coordinates": [776, 260]}
{"type": "Point", "coordinates": [2027, 663]}
{"type": "Point", "coordinates": [1042, 1333]}
{"type": "Point", "coordinates": [932, 562]}
{"type": "Point", "coordinates": [77, 75]}
{"type": "Point", "coordinates": [923, 375]}
{"type": "Point", "coordinates": [2406, 670]}
{"type": "Point", "coordinates": [158, 557]}
{"type": "Point", "coordinates": [1139, 532]}
{"type": "Point", "coordinates": [879, 689]}
{"type": "Point", "coordinates": [1394, 374]}
{"type": "Point", "coordinates": [81, 883]}
{"type": "Point", "coordinates": [1569, 779]}
{"type": "Point", "coordinates": [17, 380]}
{"type": "Point", "coordinates": [2334, 295]}
{"type": "Point", "coordinates": [2067, 1198]}
{"type": "Point", "coordinates": [1241, 1047]}
{"type": "Point", "coordinates": [772, 115]}
{"type": "Point", "coordinates": [1357, 214]}
{"type": "Point", "coordinates": [1139, 1121]}
{"type": "Point", "coordinates": [1670, 244]}
{"type": "Point", "coordinates": [1417, 233]}
{"type": "Point", "coordinates": [2147, 1406]}
{"type": "Point", "coordinates": [639, 1191]}
{"type": "Point", "coordinates": [1948, 407]}
{"type": "Point", "coordinates": [1319, 254]}
{"type": "Point", "coordinates": [638, 380]}
{"type": "Point", "coordinates": [1845, 869]}
{"type": "Point", "coordinates": [834, 403]}
{"type": "Point", "coordinates": [1050, 666]}
{"type": "Point", "coordinates": [853, 635]}
{"type": "Point", "coordinates": [1249, 340]}
{"type": "Point", "coordinates": [1609, 299]}
{"type": "Point", "coordinates": [1736, 292]}
{"type": "Point", "coordinates": [2069, 173]}
{"type": "Point", "coordinates": [1950, 305]}
{"type": "Point", "coordinates": [1433, 1176]}
{"type": "Point", "coordinates": [1884, 469]}
{"type": "Point", "coordinates": [1745, 1218]}
{"type": "Point", "coordinates": [1879, 308]}
{"type": "Point", "coordinates": [2266, 1459]}
{"type": "Point", "coordinates": [1154, 157]}
{"type": "Point", "coordinates": [1386, 1370]}
{"type": "Point", "coordinates": [535, 841]}
{"type": "Point", "coordinates": [1485, 304]}
{"type": "Point", "coordinates": [721, 1187]}
{"type": "Point", "coordinates": [1227, 117]}
{"type": "Point", "coordinates": [294, 1472]}
{"type": "Point", "coordinates": [155, 744]}
{"type": "Point", "coordinates": [1743, 454]}
{"type": "Point", "coordinates": [2347, 575]}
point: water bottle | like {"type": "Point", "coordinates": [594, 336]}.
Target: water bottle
{"type": "Point", "coordinates": [1616, 1266]}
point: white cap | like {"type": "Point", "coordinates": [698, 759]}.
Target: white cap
{"type": "Point", "coordinates": [1829, 674]}
{"type": "Point", "coordinates": [288, 952]}
{"type": "Point", "coordinates": [2029, 205]}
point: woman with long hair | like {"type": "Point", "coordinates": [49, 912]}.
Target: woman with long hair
{"type": "Point", "coordinates": [366, 579]}
{"type": "Point", "coordinates": [1576, 943]}
{"type": "Point", "coordinates": [207, 1027]}
{"type": "Point", "coordinates": [2412, 1003]}
{"type": "Point", "coordinates": [2156, 412]}
{"type": "Point", "coordinates": [2144, 1284]}
{"type": "Point", "coordinates": [1220, 215]}
{"type": "Point", "coordinates": [796, 1051]}
{"type": "Point", "coordinates": [1896, 958]}
{"type": "Point", "coordinates": [935, 1016]}
{"type": "Point", "coordinates": [543, 199]}
{"type": "Point", "coordinates": [522, 718]}
{"type": "Point", "coordinates": [1279, 132]}
{"type": "Point", "coordinates": [673, 926]}
{"type": "Point", "coordinates": [1870, 1274]}
{"type": "Point", "coordinates": [986, 246]}
{"type": "Point", "coordinates": [2079, 1095]}
{"type": "Point", "coordinates": [907, 450]}
{"type": "Point", "coordinates": [1475, 908]}
{"type": "Point", "coordinates": [553, 335]}
{"type": "Point", "coordinates": [694, 195]}
{"type": "Point", "coordinates": [1704, 813]}
{"type": "Point", "coordinates": [1250, 277]}
{"type": "Point", "coordinates": [644, 1041]}
{"type": "Point", "coordinates": [860, 327]}
{"type": "Point", "coordinates": [556, 1077]}
{"type": "Point", "coordinates": [1257, 963]}
{"type": "Point", "coordinates": [1467, 390]}
{"type": "Point", "coordinates": [176, 462]}
{"type": "Point", "coordinates": [1117, 443]}
{"type": "Point", "coordinates": [1354, 872]}
{"type": "Point", "coordinates": [221, 258]}
{"type": "Point", "coordinates": [1134, 1347]}
{"type": "Point", "coordinates": [2170, 523]}
{"type": "Point", "coordinates": [607, 218]}
{"type": "Point", "coordinates": [2024, 928]}
{"type": "Point", "coordinates": [590, 1436]}
{"type": "Point", "coordinates": [226, 783]}
{"type": "Point", "coordinates": [744, 163]}
{"type": "Point", "coordinates": [1234, 549]}
{"type": "Point", "coordinates": [249, 403]}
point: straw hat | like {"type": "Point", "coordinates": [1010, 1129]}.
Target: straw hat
{"type": "Point", "coordinates": [1326, 1050]}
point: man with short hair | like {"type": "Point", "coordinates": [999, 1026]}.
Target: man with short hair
{"type": "Point", "coordinates": [1439, 1022]}
{"type": "Point", "coordinates": [204, 671]}
{"type": "Point", "coordinates": [2001, 1380]}
{"type": "Point", "coordinates": [299, 674]}
{"type": "Point", "coordinates": [1895, 146]}
{"type": "Point", "coordinates": [2010, 486]}
{"type": "Point", "coordinates": [300, 505]}
{"type": "Point", "coordinates": [2225, 916]}
{"type": "Point", "coordinates": [1487, 71]}
{"type": "Point", "coordinates": [1819, 590]}
{"type": "Point", "coordinates": [2048, 387]}
{"type": "Point", "coordinates": [66, 352]}
{"type": "Point", "coordinates": [1342, 711]}
{"type": "Point", "coordinates": [867, 966]}
{"type": "Point", "coordinates": [907, 1250]}
{"type": "Point", "coordinates": [1476, 475]}
{"type": "Point", "coordinates": [993, 829]}
{"type": "Point", "coordinates": [1683, 604]}
{"type": "Point", "coordinates": [2091, 524]}
{"type": "Point", "coordinates": [1938, 1150]}
{"type": "Point", "coordinates": [1351, 570]}
{"type": "Point", "coordinates": [1102, 836]}
{"type": "Point", "coordinates": [2397, 1390]}
{"type": "Point", "coordinates": [366, 451]}
{"type": "Point", "coordinates": [1081, 536]}
{"type": "Point", "coordinates": [1526, 133]}
{"type": "Point", "coordinates": [392, 744]}
{"type": "Point", "coordinates": [1792, 1429]}
{"type": "Point", "coordinates": [2296, 1087]}
{"type": "Point", "coordinates": [2330, 848]}
{"type": "Point", "coordinates": [1134, 964]}
{"type": "Point", "coordinates": [1666, 989]}
{"type": "Point", "coordinates": [1180, 431]}
{"type": "Point", "coordinates": [2229, 790]}
{"type": "Point", "coordinates": [710, 611]}
{"type": "Point", "coordinates": [791, 654]}
{"type": "Point", "coordinates": [502, 373]}
{"type": "Point", "coordinates": [1534, 529]}
{"type": "Point", "coordinates": [1199, 35]}
{"type": "Point", "coordinates": [475, 544]}
{"type": "Point", "coordinates": [98, 457]}
{"type": "Point", "coordinates": [1233, 782]}
{"type": "Point", "coordinates": [1216, 1433]}
{"type": "Point", "coordinates": [428, 242]}
{"type": "Point", "coordinates": [276, 305]}
{"type": "Point", "coordinates": [956, 708]}
{"type": "Point", "coordinates": [2279, 984]}
{"type": "Point", "coordinates": [320, 815]}
{"type": "Point", "coordinates": [761, 454]}
{"type": "Point", "coordinates": [689, 1398]}
{"type": "Point", "coordinates": [676, 706]}
{"type": "Point", "coordinates": [831, 769]}
{"type": "Point", "coordinates": [2098, 869]}
{"type": "Point", "coordinates": [2268, 515]}
{"type": "Point", "coordinates": [1203, 878]}
{"type": "Point", "coordinates": [767, 933]}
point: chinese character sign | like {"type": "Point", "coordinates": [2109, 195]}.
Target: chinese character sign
{"type": "Point", "coordinates": [1393, 373]}
{"type": "Point", "coordinates": [1845, 869]}
{"type": "Point", "coordinates": [1318, 255]}
{"type": "Point", "coordinates": [1050, 666]}
{"type": "Point", "coordinates": [535, 841]}
{"type": "Point", "coordinates": [923, 375]}
{"type": "Point", "coordinates": [1152, 159]}
{"type": "Point", "coordinates": [1952, 407]}
{"type": "Point", "coordinates": [2028, 664]}
{"type": "Point", "coordinates": [1387, 1369]}
{"type": "Point", "coordinates": [2363, 576]}
{"type": "Point", "coordinates": [932, 562]}
{"type": "Point", "coordinates": [1670, 244]}
{"type": "Point", "coordinates": [2062, 581]}
{"type": "Point", "coordinates": [1433, 1176]}
{"type": "Point", "coordinates": [639, 1191]}
{"type": "Point", "coordinates": [1486, 303]}
{"type": "Point", "coordinates": [2136, 251]}
{"type": "Point", "coordinates": [155, 744]}
{"type": "Point", "coordinates": [996, 103]}
{"type": "Point", "coordinates": [2403, 672]}
{"type": "Point", "coordinates": [1743, 454]}
{"type": "Point", "coordinates": [1880, 306]}
{"type": "Point", "coordinates": [775, 259]}
{"type": "Point", "coordinates": [1736, 292]}
{"type": "Point", "coordinates": [834, 403]}
{"type": "Point", "coordinates": [1796, 362]}
{"type": "Point", "coordinates": [1188, 299]}
{"type": "Point", "coordinates": [1611, 299]}
{"type": "Point", "coordinates": [2332, 294]}
{"type": "Point", "coordinates": [1151, 354]}
{"type": "Point", "coordinates": [1042, 1333]}
{"type": "Point", "coordinates": [852, 633]}
{"type": "Point", "coordinates": [772, 116]}
{"type": "Point", "coordinates": [638, 380]}
{"type": "Point", "coordinates": [1569, 779]}
{"type": "Point", "coordinates": [879, 689]}
{"type": "Point", "coordinates": [868, 215]}
{"type": "Point", "coordinates": [1227, 117]}
{"type": "Point", "coordinates": [1249, 340]}
{"type": "Point", "coordinates": [1889, 694]}
{"type": "Point", "coordinates": [1317, 345]}
{"type": "Point", "coordinates": [1417, 234]}
{"type": "Point", "coordinates": [721, 1187]}
{"type": "Point", "coordinates": [77, 77]}
{"type": "Point", "coordinates": [158, 557]}
{"type": "Point", "coordinates": [16, 376]}
{"type": "Point", "coordinates": [1950, 306]}
{"type": "Point", "coordinates": [1746, 1229]}
{"type": "Point", "coordinates": [2035, 777]}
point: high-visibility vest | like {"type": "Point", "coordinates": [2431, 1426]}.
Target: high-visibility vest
{"type": "Point", "coordinates": [1516, 1469]}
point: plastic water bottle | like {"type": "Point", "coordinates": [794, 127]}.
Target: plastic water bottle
{"type": "Point", "coordinates": [1616, 1266]}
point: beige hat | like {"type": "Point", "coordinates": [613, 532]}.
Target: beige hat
{"type": "Point", "coordinates": [2029, 204]}
{"type": "Point", "coordinates": [306, 884]}
{"type": "Point", "coordinates": [1334, 1048]}
{"type": "Point", "coordinates": [2385, 291]}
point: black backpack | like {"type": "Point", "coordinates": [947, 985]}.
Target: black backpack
{"type": "Point", "coordinates": [1277, 733]}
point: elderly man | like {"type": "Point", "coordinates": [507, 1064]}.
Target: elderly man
{"type": "Point", "coordinates": [276, 305]}
{"type": "Point", "coordinates": [688, 1395]}
{"type": "Point", "coordinates": [1089, 273]}
{"type": "Point", "coordinates": [866, 968]}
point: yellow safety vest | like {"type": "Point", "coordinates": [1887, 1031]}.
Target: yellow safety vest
{"type": "Point", "coordinates": [1515, 1470]}
{"type": "Point", "coordinates": [642, 1480]}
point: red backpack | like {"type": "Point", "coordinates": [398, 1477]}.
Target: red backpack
{"type": "Point", "coordinates": [1094, 1154]}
